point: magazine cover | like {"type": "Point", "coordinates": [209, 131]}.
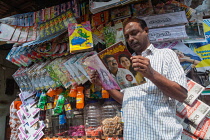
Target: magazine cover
{"type": "Point", "coordinates": [188, 59]}
{"type": "Point", "coordinates": [80, 36]}
{"type": "Point", "coordinates": [202, 50]}
{"type": "Point", "coordinates": [121, 12]}
{"type": "Point", "coordinates": [116, 58]}
{"type": "Point", "coordinates": [94, 63]}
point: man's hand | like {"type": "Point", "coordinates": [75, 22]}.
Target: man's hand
{"type": "Point", "coordinates": [142, 64]}
{"type": "Point", "coordinates": [95, 78]}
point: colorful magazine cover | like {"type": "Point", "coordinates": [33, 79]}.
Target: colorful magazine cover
{"type": "Point", "coordinates": [6, 31]}
{"type": "Point", "coordinates": [100, 18]}
{"type": "Point", "coordinates": [80, 37]}
{"type": "Point", "coordinates": [120, 12]}
{"type": "Point", "coordinates": [143, 8]}
{"type": "Point", "coordinates": [202, 50]}
{"type": "Point", "coordinates": [95, 63]}
{"type": "Point", "coordinates": [116, 58]}
{"type": "Point", "coordinates": [16, 34]}
{"type": "Point", "coordinates": [188, 59]}
{"type": "Point", "coordinates": [24, 34]}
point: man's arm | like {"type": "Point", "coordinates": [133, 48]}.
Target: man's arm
{"type": "Point", "coordinates": [117, 95]}
{"type": "Point", "coordinates": [168, 87]}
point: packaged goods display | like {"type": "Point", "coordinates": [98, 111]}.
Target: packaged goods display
{"type": "Point", "coordinates": [58, 48]}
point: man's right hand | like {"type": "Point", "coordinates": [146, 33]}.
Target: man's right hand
{"type": "Point", "coordinates": [94, 76]}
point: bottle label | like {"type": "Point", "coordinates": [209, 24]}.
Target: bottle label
{"type": "Point", "coordinates": [89, 139]}
{"type": "Point", "coordinates": [67, 107]}
{"type": "Point", "coordinates": [79, 100]}
{"type": "Point", "coordinates": [71, 139]}
{"type": "Point", "coordinates": [49, 106]}
{"type": "Point", "coordinates": [80, 139]}
{"type": "Point", "coordinates": [97, 139]}
{"type": "Point", "coordinates": [110, 138]}
{"type": "Point", "coordinates": [119, 138]}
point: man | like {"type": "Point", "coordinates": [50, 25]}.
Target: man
{"type": "Point", "coordinates": [149, 109]}
{"type": "Point", "coordinates": [123, 77]}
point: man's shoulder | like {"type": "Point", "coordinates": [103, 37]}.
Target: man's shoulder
{"type": "Point", "coordinates": [164, 51]}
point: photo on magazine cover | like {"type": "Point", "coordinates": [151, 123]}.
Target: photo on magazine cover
{"type": "Point", "coordinates": [116, 58]}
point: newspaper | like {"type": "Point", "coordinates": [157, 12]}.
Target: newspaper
{"type": "Point", "coordinates": [202, 130]}
{"type": "Point", "coordinates": [96, 6]}
{"type": "Point", "coordinates": [188, 136]}
{"type": "Point", "coordinates": [180, 118]}
{"type": "Point", "coordinates": [167, 34]}
{"type": "Point", "coordinates": [194, 29]}
{"type": "Point", "coordinates": [166, 19]}
{"type": "Point", "coordinates": [195, 113]}
{"type": "Point", "coordinates": [194, 90]}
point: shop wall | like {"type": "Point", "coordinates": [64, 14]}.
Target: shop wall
{"type": "Point", "coordinates": [6, 71]}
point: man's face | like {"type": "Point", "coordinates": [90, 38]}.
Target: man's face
{"type": "Point", "coordinates": [136, 37]}
{"type": "Point", "coordinates": [112, 63]}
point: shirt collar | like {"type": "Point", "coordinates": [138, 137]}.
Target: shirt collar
{"type": "Point", "coordinates": [149, 50]}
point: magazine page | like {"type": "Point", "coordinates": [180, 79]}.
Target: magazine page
{"type": "Point", "coordinates": [116, 58]}
{"type": "Point", "coordinates": [95, 63]}
{"type": "Point", "coordinates": [80, 37]}
{"type": "Point", "coordinates": [194, 29]}
{"type": "Point", "coordinates": [194, 90]}
{"type": "Point", "coordinates": [202, 130]}
{"type": "Point", "coordinates": [166, 19]}
{"type": "Point", "coordinates": [6, 31]}
{"type": "Point", "coordinates": [167, 34]}
{"type": "Point", "coordinates": [195, 113]}
{"type": "Point", "coordinates": [202, 50]}
{"type": "Point", "coordinates": [188, 136]}
{"type": "Point", "coordinates": [187, 57]}
{"type": "Point", "coordinates": [142, 9]}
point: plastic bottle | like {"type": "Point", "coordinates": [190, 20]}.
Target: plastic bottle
{"type": "Point", "coordinates": [80, 97]}
{"type": "Point", "coordinates": [92, 112]}
{"type": "Point", "coordinates": [73, 92]}
{"type": "Point", "coordinates": [105, 94]}
{"type": "Point", "coordinates": [77, 127]}
{"type": "Point", "coordinates": [68, 109]}
{"type": "Point", "coordinates": [49, 107]}
{"type": "Point", "coordinates": [48, 126]}
{"type": "Point", "coordinates": [42, 101]}
{"type": "Point", "coordinates": [55, 123]}
{"type": "Point", "coordinates": [59, 105]}
{"type": "Point", "coordinates": [111, 118]}
{"type": "Point", "coordinates": [42, 114]}
{"type": "Point", "coordinates": [62, 125]}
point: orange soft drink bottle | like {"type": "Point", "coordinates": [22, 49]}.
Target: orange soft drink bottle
{"type": "Point", "coordinates": [73, 92]}
{"type": "Point", "coordinates": [105, 94]}
{"type": "Point", "coordinates": [80, 97]}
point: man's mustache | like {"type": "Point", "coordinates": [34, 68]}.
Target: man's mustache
{"type": "Point", "coordinates": [114, 63]}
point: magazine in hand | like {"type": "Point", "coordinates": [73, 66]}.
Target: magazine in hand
{"type": "Point", "coordinates": [116, 59]}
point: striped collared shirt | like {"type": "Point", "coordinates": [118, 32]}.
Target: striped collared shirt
{"type": "Point", "coordinates": [148, 114]}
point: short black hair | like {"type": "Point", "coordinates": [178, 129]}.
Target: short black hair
{"type": "Point", "coordinates": [106, 57]}
{"type": "Point", "coordinates": [123, 55]}
{"type": "Point", "coordinates": [141, 22]}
